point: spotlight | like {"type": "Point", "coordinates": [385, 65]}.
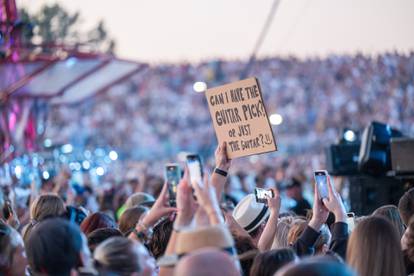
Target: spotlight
{"type": "Point", "coordinates": [275, 119]}
{"type": "Point", "coordinates": [45, 175]}
{"type": "Point", "coordinates": [349, 135]}
{"type": "Point", "coordinates": [113, 155]}
{"type": "Point", "coordinates": [47, 143]}
{"type": "Point", "coordinates": [86, 165]}
{"type": "Point", "coordinates": [200, 86]}
{"type": "Point", "coordinates": [67, 148]}
{"type": "Point", "coordinates": [18, 171]}
{"type": "Point", "coordinates": [100, 171]}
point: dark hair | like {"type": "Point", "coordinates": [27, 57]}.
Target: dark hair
{"type": "Point", "coordinates": [267, 263]}
{"type": "Point", "coordinates": [99, 235]}
{"type": "Point", "coordinates": [406, 205]}
{"type": "Point", "coordinates": [160, 237]}
{"type": "Point", "coordinates": [316, 266]}
{"type": "Point", "coordinates": [409, 235]}
{"type": "Point", "coordinates": [129, 219]}
{"type": "Point", "coordinates": [245, 248]}
{"type": "Point", "coordinates": [96, 221]}
{"type": "Point", "coordinates": [258, 231]}
{"type": "Point", "coordinates": [117, 255]}
{"type": "Point", "coordinates": [54, 247]}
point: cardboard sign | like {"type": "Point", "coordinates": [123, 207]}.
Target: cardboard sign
{"type": "Point", "coordinates": [240, 118]}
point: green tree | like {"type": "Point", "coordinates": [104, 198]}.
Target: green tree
{"type": "Point", "coordinates": [52, 24]}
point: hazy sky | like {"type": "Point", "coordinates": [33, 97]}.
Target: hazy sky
{"type": "Point", "coordinates": [193, 30]}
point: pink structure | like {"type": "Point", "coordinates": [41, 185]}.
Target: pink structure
{"type": "Point", "coordinates": [31, 80]}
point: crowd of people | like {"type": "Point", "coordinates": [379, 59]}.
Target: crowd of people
{"type": "Point", "coordinates": [65, 231]}
{"type": "Point", "coordinates": [158, 114]}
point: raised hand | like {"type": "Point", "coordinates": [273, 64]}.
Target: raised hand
{"type": "Point", "coordinates": [186, 205]}
{"type": "Point", "coordinates": [274, 202]}
{"type": "Point", "coordinates": [222, 162]}
{"type": "Point", "coordinates": [320, 212]}
{"type": "Point", "coordinates": [334, 203]}
{"type": "Point", "coordinates": [159, 209]}
{"type": "Point", "coordinates": [207, 199]}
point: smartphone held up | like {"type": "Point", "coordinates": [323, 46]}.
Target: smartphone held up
{"type": "Point", "coordinates": [172, 177]}
{"type": "Point", "coordinates": [195, 169]}
{"type": "Point", "coordinates": [262, 195]}
{"type": "Point", "coordinates": [321, 180]}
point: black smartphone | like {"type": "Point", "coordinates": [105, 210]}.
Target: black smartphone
{"type": "Point", "coordinates": [172, 177]}
{"type": "Point", "coordinates": [262, 195]}
{"type": "Point", "coordinates": [321, 179]}
{"type": "Point", "coordinates": [195, 168]}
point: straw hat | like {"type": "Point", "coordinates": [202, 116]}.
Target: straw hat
{"type": "Point", "coordinates": [217, 236]}
{"type": "Point", "coordinates": [250, 214]}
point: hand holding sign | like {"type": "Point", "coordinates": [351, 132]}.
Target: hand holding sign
{"type": "Point", "coordinates": [240, 118]}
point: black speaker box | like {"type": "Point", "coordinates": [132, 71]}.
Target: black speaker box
{"type": "Point", "coordinates": [342, 159]}
{"type": "Point", "coordinates": [367, 193]}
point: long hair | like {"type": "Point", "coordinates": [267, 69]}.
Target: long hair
{"type": "Point", "coordinates": [391, 213]}
{"type": "Point", "coordinates": [374, 249]}
{"type": "Point", "coordinates": [281, 237]}
{"type": "Point", "coordinates": [129, 219]}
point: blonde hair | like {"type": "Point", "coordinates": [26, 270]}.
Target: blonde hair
{"type": "Point", "coordinates": [374, 249]}
{"type": "Point", "coordinates": [281, 238]}
{"type": "Point", "coordinates": [47, 205]}
{"type": "Point", "coordinates": [44, 206]}
{"type": "Point", "coordinates": [297, 228]}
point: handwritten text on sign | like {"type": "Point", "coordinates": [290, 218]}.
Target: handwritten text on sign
{"type": "Point", "coordinates": [240, 118]}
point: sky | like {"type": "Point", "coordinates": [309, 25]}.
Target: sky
{"type": "Point", "coordinates": [196, 30]}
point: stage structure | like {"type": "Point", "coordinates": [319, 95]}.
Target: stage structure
{"type": "Point", "coordinates": [34, 77]}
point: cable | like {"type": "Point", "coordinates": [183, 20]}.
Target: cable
{"type": "Point", "coordinates": [261, 38]}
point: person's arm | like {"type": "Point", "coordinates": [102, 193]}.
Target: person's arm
{"type": "Point", "coordinates": [340, 227]}
{"type": "Point", "coordinates": [208, 201]}
{"type": "Point", "coordinates": [269, 232]}
{"type": "Point", "coordinates": [222, 163]}
{"type": "Point", "coordinates": [158, 210]}
{"type": "Point", "coordinates": [306, 242]}
{"type": "Point", "coordinates": [186, 207]}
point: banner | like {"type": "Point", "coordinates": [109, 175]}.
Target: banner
{"type": "Point", "coordinates": [240, 118]}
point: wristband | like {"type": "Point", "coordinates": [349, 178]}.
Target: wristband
{"type": "Point", "coordinates": [140, 235]}
{"type": "Point", "coordinates": [145, 233]}
{"type": "Point", "coordinates": [220, 172]}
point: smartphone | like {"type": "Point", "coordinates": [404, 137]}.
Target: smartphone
{"type": "Point", "coordinates": [195, 168]}
{"type": "Point", "coordinates": [350, 221]}
{"type": "Point", "coordinates": [262, 195]}
{"type": "Point", "coordinates": [321, 179]}
{"type": "Point", "coordinates": [172, 177]}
